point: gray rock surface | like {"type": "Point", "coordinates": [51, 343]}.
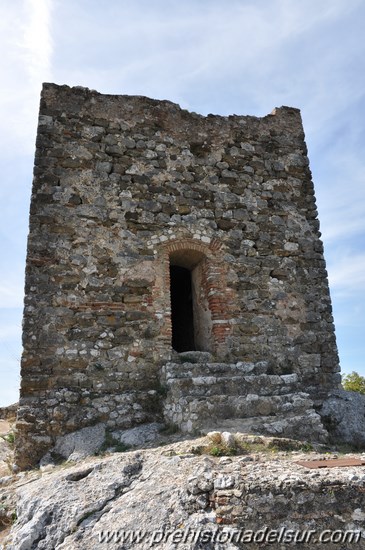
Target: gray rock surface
{"type": "Point", "coordinates": [343, 414]}
{"type": "Point", "coordinates": [138, 436]}
{"type": "Point", "coordinates": [80, 444]}
{"type": "Point", "coordinates": [163, 498]}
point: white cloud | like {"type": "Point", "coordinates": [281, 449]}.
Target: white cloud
{"type": "Point", "coordinates": [347, 274]}
{"type": "Point", "coordinates": [36, 41]}
{"type": "Point", "coordinates": [342, 221]}
{"type": "Point", "coordinates": [340, 187]}
{"type": "Point", "coordinates": [245, 57]}
{"type": "Point", "coordinates": [28, 47]}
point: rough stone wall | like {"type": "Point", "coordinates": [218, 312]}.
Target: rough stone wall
{"type": "Point", "coordinates": [124, 186]}
{"type": "Point", "coordinates": [9, 412]}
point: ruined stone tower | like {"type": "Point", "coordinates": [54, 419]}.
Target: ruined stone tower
{"type": "Point", "coordinates": [174, 270]}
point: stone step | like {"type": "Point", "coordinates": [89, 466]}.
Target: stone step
{"type": "Point", "coordinates": [209, 368]}
{"type": "Point", "coordinates": [306, 427]}
{"type": "Point", "coordinates": [207, 395]}
{"type": "Point", "coordinates": [231, 385]}
{"type": "Point", "coordinates": [219, 407]}
{"type": "Point", "coordinates": [192, 357]}
{"type": "Point", "coordinates": [290, 415]}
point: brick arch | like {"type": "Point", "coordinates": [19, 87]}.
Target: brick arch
{"type": "Point", "coordinates": [209, 247]}
{"type": "Point", "coordinates": [207, 258]}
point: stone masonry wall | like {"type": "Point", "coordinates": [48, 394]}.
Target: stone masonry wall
{"type": "Point", "coordinates": [124, 186]}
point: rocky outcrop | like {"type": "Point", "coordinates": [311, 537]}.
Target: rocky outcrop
{"type": "Point", "coordinates": [343, 414]}
{"type": "Point", "coordinates": [172, 497]}
{"type": "Point", "coordinates": [7, 496]}
{"type": "Point", "coordinates": [77, 445]}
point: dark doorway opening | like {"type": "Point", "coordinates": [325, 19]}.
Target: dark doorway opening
{"type": "Point", "coordinates": [182, 317]}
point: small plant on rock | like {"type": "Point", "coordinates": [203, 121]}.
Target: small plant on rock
{"type": "Point", "coordinates": [217, 446]}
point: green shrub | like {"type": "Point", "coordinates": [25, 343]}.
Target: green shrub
{"type": "Point", "coordinates": [354, 382]}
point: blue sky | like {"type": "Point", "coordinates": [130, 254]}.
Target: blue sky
{"type": "Point", "coordinates": [210, 56]}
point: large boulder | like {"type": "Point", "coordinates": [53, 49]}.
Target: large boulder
{"type": "Point", "coordinates": [140, 435]}
{"type": "Point", "coordinates": [343, 414]}
{"type": "Point", "coordinates": [78, 445]}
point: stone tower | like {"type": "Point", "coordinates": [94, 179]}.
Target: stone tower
{"type": "Point", "coordinates": [174, 270]}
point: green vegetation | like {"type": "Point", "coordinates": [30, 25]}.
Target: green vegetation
{"type": "Point", "coordinates": [217, 447]}
{"type": "Point", "coordinates": [354, 382]}
{"type": "Point", "coordinates": [242, 446]}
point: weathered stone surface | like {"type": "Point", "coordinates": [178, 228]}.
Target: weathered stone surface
{"type": "Point", "coordinates": [138, 436]}
{"type": "Point", "coordinates": [6, 446]}
{"type": "Point", "coordinates": [228, 439]}
{"type": "Point", "coordinates": [7, 499]}
{"type": "Point", "coordinates": [169, 492]}
{"type": "Point", "coordinates": [125, 187]}
{"type": "Point", "coordinates": [343, 414]}
{"type": "Point", "coordinates": [4, 452]}
{"type": "Point", "coordinates": [9, 412]}
{"type": "Point", "coordinates": [78, 445]}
